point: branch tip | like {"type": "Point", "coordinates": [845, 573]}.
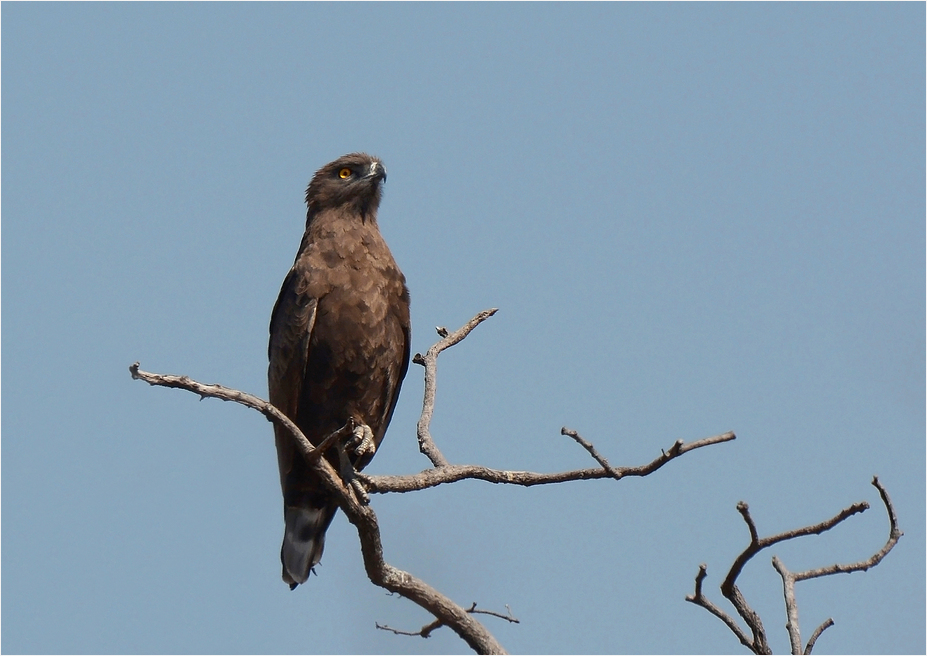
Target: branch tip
{"type": "Point", "coordinates": [829, 622]}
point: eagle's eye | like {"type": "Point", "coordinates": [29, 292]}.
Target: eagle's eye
{"type": "Point", "coordinates": [344, 173]}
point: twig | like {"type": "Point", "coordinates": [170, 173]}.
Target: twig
{"type": "Point", "coordinates": [508, 617]}
{"type": "Point", "coordinates": [614, 473]}
{"type": "Point", "coordinates": [700, 600]}
{"type": "Point", "coordinates": [428, 629]}
{"type": "Point", "coordinates": [829, 622]}
{"type": "Point", "coordinates": [430, 361]}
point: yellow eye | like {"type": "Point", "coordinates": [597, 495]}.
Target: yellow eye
{"type": "Point", "coordinates": [344, 173]}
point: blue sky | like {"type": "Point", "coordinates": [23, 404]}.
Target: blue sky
{"type": "Point", "coordinates": [694, 218]}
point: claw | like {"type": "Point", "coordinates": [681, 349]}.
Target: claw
{"type": "Point", "coordinates": [360, 491]}
{"type": "Point", "coordinates": [362, 441]}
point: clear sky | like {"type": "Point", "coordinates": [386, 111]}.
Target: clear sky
{"type": "Point", "coordinates": [694, 217]}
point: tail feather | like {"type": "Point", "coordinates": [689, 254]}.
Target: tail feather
{"type": "Point", "coordinates": [303, 541]}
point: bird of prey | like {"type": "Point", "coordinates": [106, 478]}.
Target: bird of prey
{"type": "Point", "coordinates": [339, 346]}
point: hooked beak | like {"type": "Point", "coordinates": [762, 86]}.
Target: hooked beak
{"type": "Point", "coordinates": [376, 171]}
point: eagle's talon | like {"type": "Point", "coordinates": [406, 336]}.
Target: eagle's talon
{"type": "Point", "coordinates": [362, 441]}
{"type": "Point", "coordinates": [360, 491]}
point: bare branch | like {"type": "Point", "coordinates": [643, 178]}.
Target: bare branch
{"type": "Point", "coordinates": [453, 473]}
{"type": "Point", "coordinates": [611, 471]}
{"type": "Point", "coordinates": [752, 618]}
{"type": "Point", "coordinates": [791, 606]}
{"type": "Point", "coordinates": [894, 534]}
{"type": "Point", "coordinates": [428, 629]}
{"type": "Point", "coordinates": [425, 631]}
{"type": "Point", "coordinates": [759, 644]}
{"type": "Point", "coordinates": [757, 545]}
{"type": "Point", "coordinates": [790, 578]}
{"type": "Point", "coordinates": [352, 497]}
{"type": "Point", "coordinates": [508, 617]}
{"type": "Point", "coordinates": [225, 394]}
{"type": "Point", "coordinates": [430, 361]}
{"type": "Point", "coordinates": [700, 600]}
{"type": "Point", "coordinates": [829, 622]}
{"type": "Point", "coordinates": [744, 511]}
{"type": "Point", "coordinates": [361, 516]}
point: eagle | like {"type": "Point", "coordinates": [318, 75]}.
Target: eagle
{"type": "Point", "coordinates": [339, 346]}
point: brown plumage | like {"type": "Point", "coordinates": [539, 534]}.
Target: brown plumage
{"type": "Point", "coordinates": [339, 343]}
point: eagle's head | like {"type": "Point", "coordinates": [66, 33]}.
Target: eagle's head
{"type": "Point", "coordinates": [353, 182]}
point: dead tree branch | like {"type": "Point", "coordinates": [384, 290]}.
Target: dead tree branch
{"type": "Point", "coordinates": [430, 362]}
{"type": "Point", "coordinates": [355, 505]}
{"type": "Point", "coordinates": [817, 634]}
{"type": "Point", "coordinates": [361, 516]}
{"type": "Point", "coordinates": [428, 629]}
{"type": "Point", "coordinates": [759, 643]}
{"type": "Point", "coordinates": [452, 473]}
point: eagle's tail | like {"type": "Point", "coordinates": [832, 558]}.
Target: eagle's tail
{"type": "Point", "coordinates": [303, 540]}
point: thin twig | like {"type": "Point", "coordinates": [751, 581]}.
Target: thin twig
{"type": "Point", "coordinates": [508, 617]}
{"type": "Point", "coordinates": [428, 629]}
{"type": "Point", "coordinates": [829, 622]}
{"type": "Point", "coordinates": [701, 600]}
{"type": "Point", "coordinates": [614, 473]}
{"type": "Point", "coordinates": [430, 361]}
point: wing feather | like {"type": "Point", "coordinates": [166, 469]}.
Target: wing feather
{"type": "Point", "coordinates": [291, 325]}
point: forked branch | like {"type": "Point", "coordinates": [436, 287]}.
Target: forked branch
{"type": "Point", "coordinates": [430, 362]}
{"type": "Point", "coordinates": [759, 643]}
{"type": "Point", "coordinates": [428, 629]}
{"type": "Point", "coordinates": [361, 516]}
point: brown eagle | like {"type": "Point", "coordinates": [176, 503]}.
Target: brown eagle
{"type": "Point", "coordinates": [339, 345]}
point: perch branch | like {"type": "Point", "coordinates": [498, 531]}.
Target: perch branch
{"type": "Point", "coordinates": [361, 516]}
{"type": "Point", "coordinates": [223, 393]}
